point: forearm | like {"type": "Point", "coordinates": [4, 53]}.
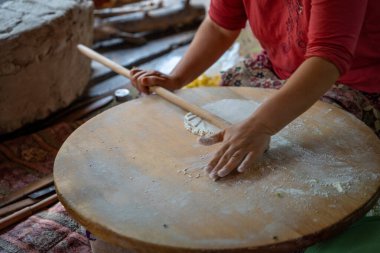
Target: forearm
{"type": "Point", "coordinates": [209, 43]}
{"type": "Point", "coordinates": [311, 80]}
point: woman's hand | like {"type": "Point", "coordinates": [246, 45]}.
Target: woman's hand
{"type": "Point", "coordinates": [143, 79]}
{"type": "Point", "coordinates": [242, 145]}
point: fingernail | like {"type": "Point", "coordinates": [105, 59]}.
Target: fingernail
{"type": "Point", "coordinates": [213, 176]}
{"type": "Point", "coordinates": [223, 172]}
{"type": "Point", "coordinates": [208, 168]}
{"type": "Point", "coordinates": [215, 179]}
{"type": "Point", "coordinates": [240, 169]}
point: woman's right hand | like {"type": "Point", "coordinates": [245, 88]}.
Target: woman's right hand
{"type": "Point", "coordinates": [143, 79]}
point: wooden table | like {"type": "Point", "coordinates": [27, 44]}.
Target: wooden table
{"type": "Point", "coordinates": [133, 177]}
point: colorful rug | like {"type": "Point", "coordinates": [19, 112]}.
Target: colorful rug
{"type": "Point", "coordinates": [24, 160]}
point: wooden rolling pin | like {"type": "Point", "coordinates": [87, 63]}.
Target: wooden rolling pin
{"type": "Point", "coordinates": [162, 92]}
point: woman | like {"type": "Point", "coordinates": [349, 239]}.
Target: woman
{"type": "Point", "coordinates": [322, 48]}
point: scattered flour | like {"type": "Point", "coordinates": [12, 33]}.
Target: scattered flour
{"type": "Point", "coordinates": [314, 170]}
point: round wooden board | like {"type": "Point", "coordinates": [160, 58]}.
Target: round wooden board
{"type": "Point", "coordinates": [133, 176]}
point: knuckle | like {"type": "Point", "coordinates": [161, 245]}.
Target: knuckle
{"type": "Point", "coordinates": [214, 161]}
{"type": "Point", "coordinates": [219, 153]}
{"type": "Point", "coordinates": [224, 159]}
{"type": "Point", "coordinates": [234, 153]}
{"type": "Point", "coordinates": [229, 166]}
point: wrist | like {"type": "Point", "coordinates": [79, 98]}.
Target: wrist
{"type": "Point", "coordinates": [261, 126]}
{"type": "Point", "coordinates": [178, 81]}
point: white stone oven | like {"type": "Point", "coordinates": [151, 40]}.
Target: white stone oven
{"type": "Point", "coordinates": [40, 69]}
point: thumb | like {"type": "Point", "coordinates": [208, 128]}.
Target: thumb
{"type": "Point", "coordinates": [211, 140]}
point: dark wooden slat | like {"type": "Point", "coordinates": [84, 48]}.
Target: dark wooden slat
{"type": "Point", "coordinates": [27, 190]}
{"type": "Point", "coordinates": [134, 56]}
{"type": "Point", "coordinates": [17, 206]}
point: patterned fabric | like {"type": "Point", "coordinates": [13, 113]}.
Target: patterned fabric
{"type": "Point", "coordinates": [27, 158]}
{"type": "Point", "coordinates": [23, 160]}
{"type": "Point", "coordinates": [257, 72]}
{"type": "Point", "coordinates": [48, 231]}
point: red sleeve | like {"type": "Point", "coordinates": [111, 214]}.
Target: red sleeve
{"type": "Point", "coordinates": [334, 30]}
{"type": "Point", "coordinates": [229, 14]}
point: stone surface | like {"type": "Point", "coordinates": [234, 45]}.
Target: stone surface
{"type": "Point", "coordinates": [40, 69]}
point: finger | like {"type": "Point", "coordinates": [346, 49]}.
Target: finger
{"type": "Point", "coordinates": [156, 73]}
{"type": "Point", "coordinates": [134, 75]}
{"type": "Point", "coordinates": [211, 140]}
{"type": "Point", "coordinates": [215, 159]}
{"type": "Point", "coordinates": [152, 80]}
{"type": "Point", "coordinates": [147, 82]}
{"type": "Point", "coordinates": [248, 161]}
{"type": "Point", "coordinates": [144, 89]}
{"type": "Point", "coordinates": [140, 74]}
{"type": "Point", "coordinates": [142, 81]}
{"type": "Point", "coordinates": [222, 161]}
{"type": "Point", "coordinates": [143, 73]}
{"type": "Point", "coordinates": [136, 80]}
{"type": "Point", "coordinates": [152, 73]}
{"type": "Point", "coordinates": [133, 71]}
{"type": "Point", "coordinates": [232, 164]}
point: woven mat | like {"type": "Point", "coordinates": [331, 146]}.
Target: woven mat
{"type": "Point", "coordinates": [24, 160]}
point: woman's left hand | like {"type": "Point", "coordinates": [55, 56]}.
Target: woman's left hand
{"type": "Point", "coordinates": [242, 145]}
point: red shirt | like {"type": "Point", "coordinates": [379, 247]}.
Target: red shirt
{"type": "Point", "coordinates": [345, 32]}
